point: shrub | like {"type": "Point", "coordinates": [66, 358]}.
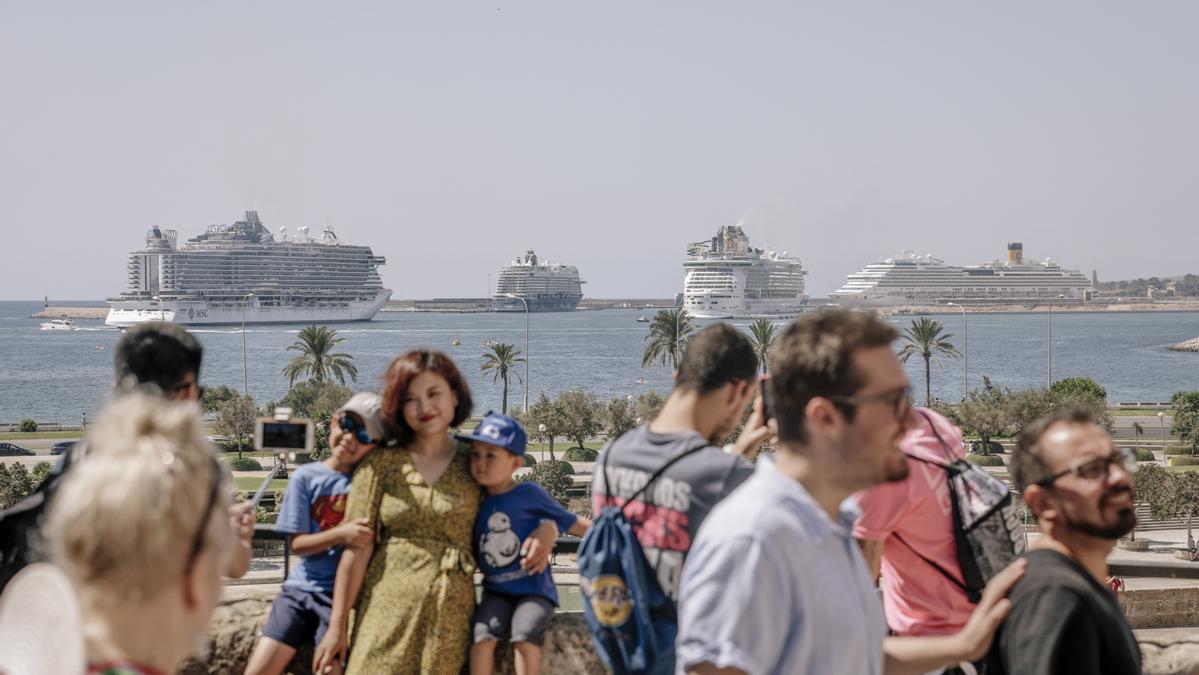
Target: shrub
{"type": "Point", "coordinates": [27, 426]}
{"type": "Point", "coordinates": [1144, 455]}
{"type": "Point", "coordinates": [580, 455]}
{"type": "Point", "coordinates": [580, 506]}
{"type": "Point", "coordinates": [530, 460]}
{"type": "Point", "coordinates": [1177, 450]}
{"type": "Point", "coordinates": [1184, 461]}
{"type": "Point", "coordinates": [992, 448]}
{"type": "Point", "coordinates": [244, 464]}
{"type": "Point", "coordinates": [554, 476]}
{"type": "Point", "coordinates": [40, 472]}
{"type": "Point", "coordinates": [985, 460]}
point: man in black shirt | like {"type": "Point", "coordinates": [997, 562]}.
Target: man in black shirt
{"type": "Point", "coordinates": [1064, 619]}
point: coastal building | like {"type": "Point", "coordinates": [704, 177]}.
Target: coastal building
{"type": "Point", "coordinates": [909, 279]}
{"type": "Point", "coordinates": [242, 268]}
{"type": "Point", "coordinates": [724, 277]}
{"type": "Point", "coordinates": [545, 285]}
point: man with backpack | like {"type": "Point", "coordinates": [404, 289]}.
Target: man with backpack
{"type": "Point", "coordinates": [775, 582]}
{"type": "Point", "coordinates": [1064, 618]}
{"type": "Point", "coordinates": [715, 382]}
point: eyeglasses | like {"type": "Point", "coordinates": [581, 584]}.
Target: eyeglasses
{"type": "Point", "coordinates": [1096, 468]}
{"type": "Point", "coordinates": [351, 425]}
{"type": "Point", "coordinates": [198, 540]}
{"type": "Point", "coordinates": [900, 401]}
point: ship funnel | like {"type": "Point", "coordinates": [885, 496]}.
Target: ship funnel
{"type": "Point", "coordinates": [1015, 253]}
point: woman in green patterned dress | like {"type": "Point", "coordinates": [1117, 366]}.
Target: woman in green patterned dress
{"type": "Point", "coordinates": [414, 585]}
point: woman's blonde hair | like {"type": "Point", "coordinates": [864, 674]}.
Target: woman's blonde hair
{"type": "Point", "coordinates": [124, 521]}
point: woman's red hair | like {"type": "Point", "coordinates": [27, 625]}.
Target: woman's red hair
{"type": "Point", "coordinates": [400, 373]}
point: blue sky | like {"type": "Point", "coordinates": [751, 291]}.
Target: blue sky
{"type": "Point", "coordinates": [452, 136]}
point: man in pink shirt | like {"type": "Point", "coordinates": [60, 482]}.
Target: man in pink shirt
{"type": "Point", "coordinates": [907, 524]}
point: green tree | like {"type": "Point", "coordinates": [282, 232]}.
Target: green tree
{"type": "Point", "coordinates": [27, 426]}
{"type": "Point", "coordinates": [213, 396]}
{"type": "Point", "coordinates": [311, 398]}
{"type": "Point", "coordinates": [1029, 405]}
{"type": "Point", "coordinates": [985, 413]}
{"type": "Point", "coordinates": [543, 412]}
{"type": "Point", "coordinates": [925, 338]}
{"type": "Point", "coordinates": [619, 416]}
{"type": "Point", "coordinates": [235, 419]}
{"type": "Point", "coordinates": [649, 405]}
{"type": "Point", "coordinates": [761, 334]}
{"type": "Point", "coordinates": [554, 476]}
{"type": "Point", "coordinates": [501, 362]}
{"type": "Point", "coordinates": [1186, 418]}
{"type": "Point", "coordinates": [1073, 386]}
{"type": "Point", "coordinates": [317, 360]}
{"type": "Point", "coordinates": [667, 337]}
{"type": "Point", "coordinates": [15, 484]}
{"type": "Point", "coordinates": [1138, 430]}
{"type": "Point", "coordinates": [581, 416]}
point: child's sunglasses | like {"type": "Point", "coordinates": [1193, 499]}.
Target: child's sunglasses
{"type": "Point", "coordinates": [351, 425]}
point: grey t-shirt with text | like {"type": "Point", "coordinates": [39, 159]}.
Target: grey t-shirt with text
{"type": "Point", "coordinates": [669, 513]}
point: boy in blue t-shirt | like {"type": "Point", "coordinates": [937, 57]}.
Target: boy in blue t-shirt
{"type": "Point", "coordinates": [516, 605]}
{"type": "Point", "coordinates": [312, 512]}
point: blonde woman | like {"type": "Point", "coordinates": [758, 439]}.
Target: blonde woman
{"type": "Point", "coordinates": [141, 529]}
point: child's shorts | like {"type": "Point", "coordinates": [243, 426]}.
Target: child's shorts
{"type": "Point", "coordinates": [298, 616]}
{"type": "Point", "coordinates": [516, 618]}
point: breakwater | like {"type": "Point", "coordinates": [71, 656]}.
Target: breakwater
{"type": "Point", "coordinates": [1188, 346]}
{"type": "Point", "coordinates": [71, 313]}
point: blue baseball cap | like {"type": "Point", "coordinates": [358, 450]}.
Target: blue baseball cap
{"type": "Point", "coordinates": [499, 430]}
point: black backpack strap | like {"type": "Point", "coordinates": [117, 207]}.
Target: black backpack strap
{"type": "Point", "coordinates": [695, 447]}
{"type": "Point", "coordinates": [944, 572]}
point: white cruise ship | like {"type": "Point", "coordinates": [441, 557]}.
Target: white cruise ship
{"type": "Point", "coordinates": [908, 279]}
{"type": "Point", "coordinates": [724, 278]}
{"type": "Point", "coordinates": [242, 268]}
{"type": "Point", "coordinates": [547, 286]}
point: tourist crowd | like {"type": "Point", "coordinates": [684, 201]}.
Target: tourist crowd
{"type": "Point", "coordinates": [858, 542]}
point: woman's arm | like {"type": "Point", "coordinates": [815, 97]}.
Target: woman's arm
{"type": "Point", "coordinates": [350, 572]}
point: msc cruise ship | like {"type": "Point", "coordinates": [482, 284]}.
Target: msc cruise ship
{"type": "Point", "coordinates": [242, 268]}
{"type": "Point", "coordinates": [545, 286]}
{"type": "Point", "coordinates": [724, 278]}
{"type": "Point", "coordinates": [909, 279]}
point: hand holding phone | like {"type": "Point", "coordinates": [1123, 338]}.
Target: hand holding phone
{"type": "Point", "coordinates": [764, 392]}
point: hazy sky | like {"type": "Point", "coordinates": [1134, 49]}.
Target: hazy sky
{"type": "Point", "coordinates": [450, 136]}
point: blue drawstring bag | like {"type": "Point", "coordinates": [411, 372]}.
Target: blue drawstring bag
{"type": "Point", "coordinates": [632, 621]}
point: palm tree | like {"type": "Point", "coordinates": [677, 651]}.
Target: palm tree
{"type": "Point", "coordinates": [924, 338]}
{"type": "Point", "coordinates": [316, 361]}
{"type": "Point", "coordinates": [668, 334]}
{"type": "Point", "coordinates": [501, 361]}
{"type": "Point", "coordinates": [1138, 429]}
{"type": "Point", "coordinates": [761, 334]}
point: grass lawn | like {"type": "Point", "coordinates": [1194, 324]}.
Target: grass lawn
{"type": "Point", "coordinates": [251, 483]}
{"type": "Point", "coordinates": [38, 435]}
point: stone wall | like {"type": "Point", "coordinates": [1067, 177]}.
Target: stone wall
{"type": "Point", "coordinates": [1161, 608]}
{"type": "Point", "coordinates": [1173, 651]}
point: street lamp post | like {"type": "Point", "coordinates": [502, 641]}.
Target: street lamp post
{"type": "Point", "coordinates": [965, 351]}
{"type": "Point", "coordinates": [1049, 343]}
{"type": "Point", "coordinates": [162, 313]}
{"type": "Point", "coordinates": [526, 304]}
{"type": "Point", "coordinates": [245, 373]}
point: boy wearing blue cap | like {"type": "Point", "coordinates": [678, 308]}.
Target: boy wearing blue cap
{"type": "Point", "coordinates": [516, 605]}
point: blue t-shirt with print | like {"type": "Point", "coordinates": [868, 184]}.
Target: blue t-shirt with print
{"type": "Point", "coordinates": [315, 501]}
{"type": "Point", "coordinates": [503, 524]}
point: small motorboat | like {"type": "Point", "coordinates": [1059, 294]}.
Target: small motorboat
{"type": "Point", "coordinates": [59, 324]}
{"type": "Point", "coordinates": [642, 319]}
{"type": "Point", "coordinates": [456, 342]}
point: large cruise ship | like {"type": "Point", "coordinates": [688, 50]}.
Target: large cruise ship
{"type": "Point", "coordinates": [242, 268]}
{"type": "Point", "coordinates": [546, 286]}
{"type": "Point", "coordinates": [724, 277]}
{"type": "Point", "coordinates": [909, 279]}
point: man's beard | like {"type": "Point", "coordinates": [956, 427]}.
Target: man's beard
{"type": "Point", "coordinates": [1126, 522]}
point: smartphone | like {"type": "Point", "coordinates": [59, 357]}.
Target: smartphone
{"type": "Point", "coordinates": [764, 392]}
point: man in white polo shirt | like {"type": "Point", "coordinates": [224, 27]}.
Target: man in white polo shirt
{"type": "Point", "coordinates": [775, 582]}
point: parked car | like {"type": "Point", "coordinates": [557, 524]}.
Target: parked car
{"type": "Point", "coordinates": [61, 447]}
{"type": "Point", "coordinates": [13, 450]}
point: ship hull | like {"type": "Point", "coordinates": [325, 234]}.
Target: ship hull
{"type": "Point", "coordinates": [199, 312]}
{"type": "Point", "coordinates": [543, 304]}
